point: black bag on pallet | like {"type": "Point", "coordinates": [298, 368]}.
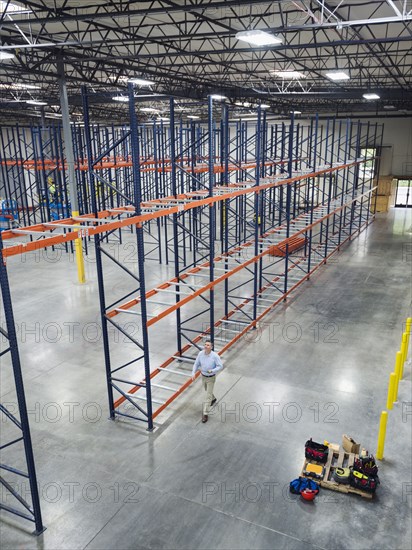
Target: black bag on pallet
{"type": "Point", "coordinates": [366, 464]}
{"type": "Point", "coordinates": [316, 451]}
{"type": "Point", "coordinates": [364, 482]}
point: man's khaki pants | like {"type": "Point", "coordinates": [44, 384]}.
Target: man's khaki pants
{"type": "Point", "coordinates": [208, 384]}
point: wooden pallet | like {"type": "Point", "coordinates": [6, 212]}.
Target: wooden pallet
{"type": "Point", "coordinates": [337, 458]}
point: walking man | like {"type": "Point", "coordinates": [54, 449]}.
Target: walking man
{"type": "Point", "coordinates": [209, 364]}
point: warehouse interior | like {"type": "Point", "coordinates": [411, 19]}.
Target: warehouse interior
{"type": "Point", "coordinates": [178, 172]}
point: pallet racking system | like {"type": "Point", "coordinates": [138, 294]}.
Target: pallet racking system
{"type": "Point", "coordinates": [244, 214]}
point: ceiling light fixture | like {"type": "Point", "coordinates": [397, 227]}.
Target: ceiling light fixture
{"type": "Point", "coordinates": [264, 106]}
{"type": "Point", "coordinates": [22, 86]}
{"type": "Point", "coordinates": [193, 116]}
{"type": "Point", "coordinates": [12, 101]}
{"type": "Point", "coordinates": [35, 102]}
{"type": "Point", "coordinates": [6, 55]}
{"type": "Point", "coordinates": [218, 97]}
{"type": "Point", "coordinates": [52, 115]}
{"type": "Point", "coordinates": [149, 110]}
{"type": "Point", "coordinates": [12, 8]}
{"type": "Point", "coordinates": [18, 86]}
{"type": "Point", "coordinates": [337, 75]}
{"type": "Point", "coordinates": [371, 95]}
{"type": "Point", "coordinates": [141, 82]}
{"type": "Point", "coordinates": [296, 112]}
{"type": "Point", "coordinates": [121, 98]}
{"type": "Point", "coordinates": [289, 74]}
{"type": "Point", "coordinates": [389, 107]}
{"type": "Point", "coordinates": [258, 38]}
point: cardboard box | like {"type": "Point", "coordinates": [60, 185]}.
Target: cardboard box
{"type": "Point", "coordinates": [384, 185]}
{"type": "Point", "coordinates": [350, 444]}
{"type": "Point", "coordinates": [382, 203]}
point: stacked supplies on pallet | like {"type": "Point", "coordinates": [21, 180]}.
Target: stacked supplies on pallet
{"type": "Point", "coordinates": [382, 193]}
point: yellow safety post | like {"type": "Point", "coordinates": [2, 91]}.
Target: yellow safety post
{"type": "Point", "coordinates": [403, 353]}
{"type": "Point", "coordinates": [408, 334]}
{"type": "Point", "coordinates": [382, 434]}
{"type": "Point", "coordinates": [398, 374]}
{"type": "Point", "coordinates": [391, 391]}
{"type": "Point", "coordinates": [78, 247]}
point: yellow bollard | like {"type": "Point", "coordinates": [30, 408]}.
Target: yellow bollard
{"type": "Point", "coordinates": [408, 327]}
{"type": "Point", "coordinates": [408, 334]}
{"type": "Point", "coordinates": [398, 374]}
{"type": "Point", "coordinates": [391, 391]}
{"type": "Point", "coordinates": [403, 354]}
{"type": "Point", "coordinates": [382, 434]}
{"type": "Point", "coordinates": [78, 247]}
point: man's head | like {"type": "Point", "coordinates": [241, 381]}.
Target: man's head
{"type": "Point", "coordinates": [208, 346]}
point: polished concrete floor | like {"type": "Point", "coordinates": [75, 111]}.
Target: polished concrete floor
{"type": "Point", "coordinates": [317, 367]}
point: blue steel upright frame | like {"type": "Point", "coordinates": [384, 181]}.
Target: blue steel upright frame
{"type": "Point", "coordinates": [31, 512]}
{"type": "Point", "coordinates": [113, 378]}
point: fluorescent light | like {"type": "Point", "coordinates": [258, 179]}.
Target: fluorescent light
{"type": "Point", "coordinates": [296, 112]}
{"type": "Point", "coordinates": [6, 55]}
{"type": "Point", "coordinates": [289, 74]}
{"type": "Point", "coordinates": [121, 98]}
{"type": "Point", "coordinates": [193, 116]}
{"type": "Point", "coordinates": [149, 110]}
{"type": "Point", "coordinates": [12, 8]}
{"type": "Point", "coordinates": [19, 86]}
{"type": "Point", "coordinates": [12, 101]}
{"type": "Point", "coordinates": [164, 119]}
{"type": "Point", "coordinates": [26, 86]}
{"type": "Point", "coordinates": [141, 82]}
{"type": "Point", "coordinates": [36, 102]}
{"type": "Point", "coordinates": [258, 38]}
{"type": "Point", "coordinates": [337, 75]}
{"type": "Point", "coordinates": [264, 106]}
{"type": "Point", "coordinates": [244, 104]}
{"type": "Point", "coordinates": [389, 107]}
{"type": "Point", "coordinates": [371, 96]}
{"type": "Point", "coordinates": [218, 97]}
{"type": "Point", "coordinates": [52, 115]}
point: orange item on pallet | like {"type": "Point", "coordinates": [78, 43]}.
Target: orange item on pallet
{"type": "Point", "coordinates": [295, 243]}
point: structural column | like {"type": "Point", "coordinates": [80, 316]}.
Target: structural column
{"type": "Point", "coordinates": [68, 145]}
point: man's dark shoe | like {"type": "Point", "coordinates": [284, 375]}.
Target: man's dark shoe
{"type": "Point", "coordinates": [204, 418]}
{"type": "Point", "coordinates": [213, 401]}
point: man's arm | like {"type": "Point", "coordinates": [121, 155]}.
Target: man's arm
{"type": "Point", "coordinates": [218, 364]}
{"type": "Point", "coordinates": [196, 364]}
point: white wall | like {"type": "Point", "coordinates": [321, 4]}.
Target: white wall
{"type": "Point", "coordinates": [397, 142]}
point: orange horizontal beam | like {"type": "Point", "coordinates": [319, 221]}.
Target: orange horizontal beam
{"type": "Point", "coordinates": [134, 220]}
{"type": "Point", "coordinates": [281, 245]}
{"type": "Point", "coordinates": [161, 165]}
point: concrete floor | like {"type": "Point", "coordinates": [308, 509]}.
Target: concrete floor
{"type": "Point", "coordinates": [317, 368]}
